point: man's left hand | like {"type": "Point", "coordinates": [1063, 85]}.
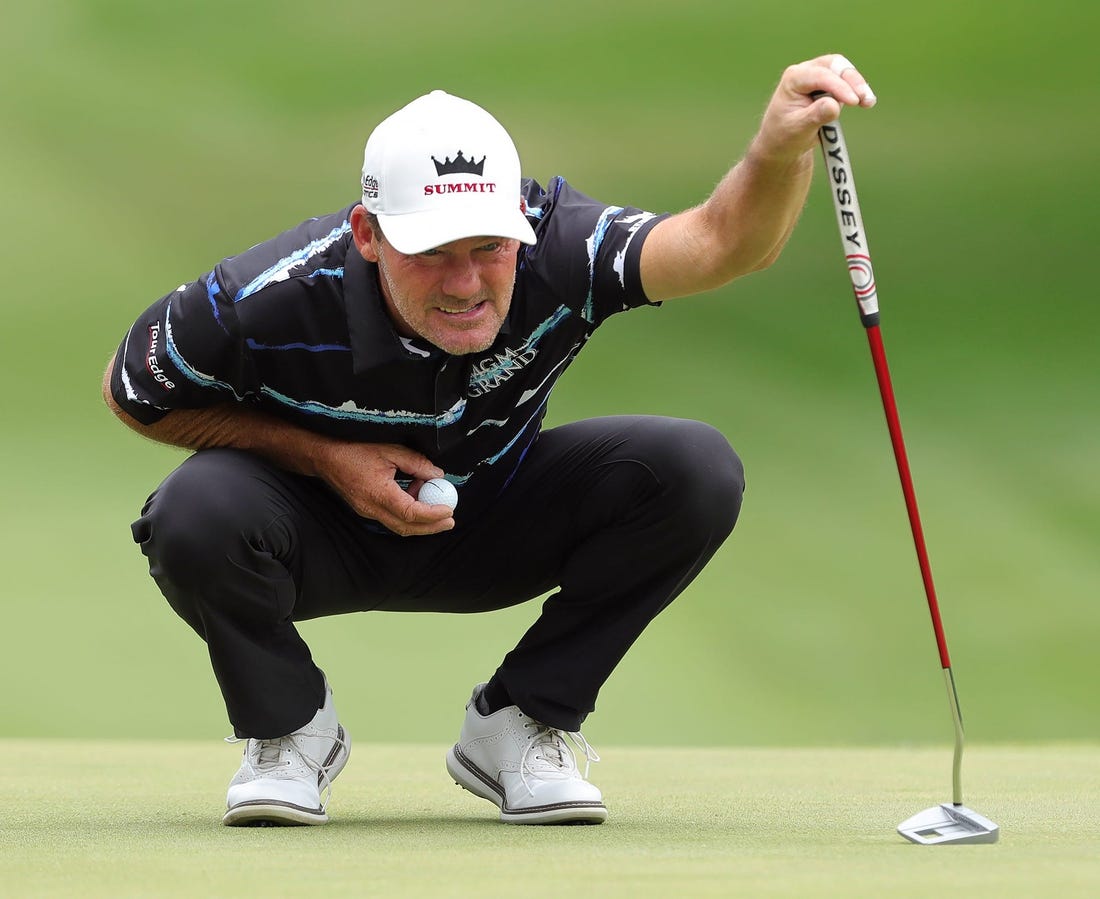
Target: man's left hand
{"type": "Point", "coordinates": [795, 114]}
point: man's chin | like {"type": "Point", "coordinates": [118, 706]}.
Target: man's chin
{"type": "Point", "coordinates": [464, 347]}
{"type": "Point", "coordinates": [462, 342]}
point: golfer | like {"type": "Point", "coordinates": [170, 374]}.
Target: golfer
{"type": "Point", "coordinates": [323, 376]}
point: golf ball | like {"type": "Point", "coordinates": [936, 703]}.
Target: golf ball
{"type": "Point", "coordinates": [438, 492]}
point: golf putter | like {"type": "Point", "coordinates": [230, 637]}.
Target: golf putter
{"type": "Point", "coordinates": [950, 822]}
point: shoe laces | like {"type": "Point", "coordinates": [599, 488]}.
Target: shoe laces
{"type": "Point", "coordinates": [269, 752]}
{"type": "Point", "coordinates": [548, 745]}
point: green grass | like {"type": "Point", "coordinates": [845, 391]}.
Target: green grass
{"type": "Point", "coordinates": [143, 142]}
{"type": "Point", "coordinates": [119, 819]}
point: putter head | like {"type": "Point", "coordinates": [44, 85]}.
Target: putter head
{"type": "Point", "coordinates": [948, 823]}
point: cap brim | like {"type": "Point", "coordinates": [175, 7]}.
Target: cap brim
{"type": "Point", "coordinates": [416, 232]}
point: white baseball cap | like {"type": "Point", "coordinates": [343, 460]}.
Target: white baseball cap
{"type": "Point", "coordinates": [442, 169]}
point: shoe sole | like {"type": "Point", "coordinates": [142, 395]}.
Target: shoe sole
{"type": "Point", "coordinates": [272, 813]}
{"type": "Point", "coordinates": [471, 778]}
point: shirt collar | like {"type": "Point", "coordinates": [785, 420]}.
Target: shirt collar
{"type": "Point", "coordinates": [374, 340]}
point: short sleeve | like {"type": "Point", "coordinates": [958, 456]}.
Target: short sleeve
{"type": "Point", "coordinates": [184, 351]}
{"type": "Point", "coordinates": [588, 250]}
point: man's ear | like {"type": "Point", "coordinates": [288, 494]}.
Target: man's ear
{"type": "Point", "coordinates": [366, 240]}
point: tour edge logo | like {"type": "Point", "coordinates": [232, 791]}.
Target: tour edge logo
{"type": "Point", "coordinates": [151, 362]}
{"type": "Point", "coordinates": [851, 222]}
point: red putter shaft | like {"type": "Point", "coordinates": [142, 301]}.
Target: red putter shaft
{"type": "Point", "coordinates": [886, 389]}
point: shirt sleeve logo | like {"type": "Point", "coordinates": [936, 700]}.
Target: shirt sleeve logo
{"type": "Point", "coordinates": [151, 362]}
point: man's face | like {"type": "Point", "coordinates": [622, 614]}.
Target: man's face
{"type": "Point", "coordinates": [455, 296]}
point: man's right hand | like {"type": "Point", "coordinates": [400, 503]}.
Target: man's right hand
{"type": "Point", "coordinates": [364, 475]}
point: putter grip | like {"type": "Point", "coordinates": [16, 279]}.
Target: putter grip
{"type": "Point", "coordinates": [853, 237]}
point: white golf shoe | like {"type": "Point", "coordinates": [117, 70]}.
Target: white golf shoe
{"type": "Point", "coordinates": [282, 781]}
{"type": "Point", "coordinates": [525, 768]}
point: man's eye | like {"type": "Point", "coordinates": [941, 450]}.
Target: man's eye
{"type": "Point", "coordinates": [432, 252]}
{"type": "Point", "coordinates": [490, 247]}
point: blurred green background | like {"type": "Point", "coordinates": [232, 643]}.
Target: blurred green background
{"type": "Point", "coordinates": [143, 142]}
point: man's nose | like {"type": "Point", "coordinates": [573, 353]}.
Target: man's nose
{"type": "Point", "coordinates": [462, 279]}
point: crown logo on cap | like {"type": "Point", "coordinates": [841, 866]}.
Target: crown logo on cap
{"type": "Point", "coordinates": [460, 164]}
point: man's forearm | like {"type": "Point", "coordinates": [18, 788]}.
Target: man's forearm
{"type": "Point", "coordinates": [231, 425]}
{"type": "Point", "coordinates": [363, 474]}
{"type": "Point", "coordinates": [741, 228]}
{"type": "Point", "coordinates": [756, 207]}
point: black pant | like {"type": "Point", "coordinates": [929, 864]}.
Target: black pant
{"type": "Point", "coordinates": [619, 514]}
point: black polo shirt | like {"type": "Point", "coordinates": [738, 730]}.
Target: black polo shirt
{"type": "Point", "coordinates": [296, 326]}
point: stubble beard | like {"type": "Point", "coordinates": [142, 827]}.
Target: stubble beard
{"type": "Point", "coordinates": [408, 311]}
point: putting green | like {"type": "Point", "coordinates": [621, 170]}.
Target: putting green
{"type": "Point", "coordinates": [145, 141]}
{"type": "Point", "coordinates": [139, 819]}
